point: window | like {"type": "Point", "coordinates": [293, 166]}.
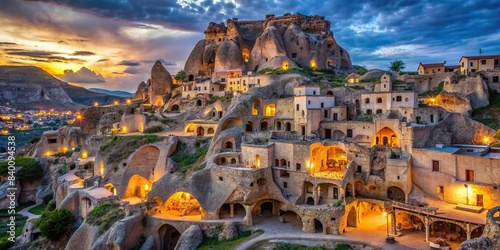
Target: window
{"type": "Point", "coordinates": [220, 178]}
{"type": "Point", "coordinates": [349, 133]}
{"type": "Point", "coordinates": [463, 64]}
{"type": "Point", "coordinates": [399, 98]}
{"type": "Point", "coordinates": [325, 115]}
{"type": "Point", "coordinates": [435, 166]}
{"type": "Point", "coordinates": [205, 88]}
{"type": "Point", "coordinates": [314, 92]}
{"type": "Point", "coordinates": [471, 64]}
{"type": "Point", "coordinates": [298, 107]}
{"type": "Point", "coordinates": [379, 111]}
{"type": "Point", "coordinates": [213, 89]}
{"type": "Point", "coordinates": [367, 100]}
{"type": "Point", "coordinates": [294, 55]}
{"type": "Point", "coordinates": [258, 81]}
{"type": "Point", "coordinates": [285, 184]}
{"type": "Point", "coordinates": [495, 79]}
{"type": "Point", "coordinates": [309, 102]}
{"type": "Point", "coordinates": [469, 175]}
{"type": "Point", "coordinates": [329, 45]}
{"type": "Point", "coordinates": [483, 62]}
{"type": "Point", "coordinates": [407, 99]}
{"type": "Point", "coordinates": [50, 141]}
{"type": "Point", "coordinates": [322, 105]}
{"type": "Point", "coordinates": [298, 166]}
{"type": "Point", "coordinates": [379, 100]}
{"type": "Point", "coordinates": [359, 169]}
{"type": "Point", "coordinates": [244, 84]}
{"type": "Point", "coordinates": [439, 69]}
{"type": "Point", "coordinates": [440, 190]}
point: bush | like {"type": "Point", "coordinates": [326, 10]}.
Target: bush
{"type": "Point", "coordinates": [105, 215]}
{"type": "Point", "coordinates": [31, 169]}
{"type": "Point", "coordinates": [34, 140]}
{"type": "Point", "coordinates": [47, 198]}
{"type": "Point", "coordinates": [154, 129]}
{"type": "Point", "coordinates": [56, 223]}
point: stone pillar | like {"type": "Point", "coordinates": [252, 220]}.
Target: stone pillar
{"type": "Point", "coordinates": [468, 231]}
{"type": "Point", "coordinates": [426, 224]}
{"type": "Point", "coordinates": [231, 210]}
{"type": "Point", "coordinates": [353, 191]}
{"type": "Point", "coordinates": [393, 222]}
{"type": "Point", "coordinates": [315, 194]}
{"type": "Point", "coordinates": [248, 215]}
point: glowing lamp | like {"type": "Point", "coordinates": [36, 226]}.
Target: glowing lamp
{"type": "Point", "coordinates": [486, 140]}
{"type": "Point", "coordinates": [96, 104]}
{"type": "Point", "coordinates": [84, 155]}
{"type": "Point", "coordinates": [115, 103]}
{"type": "Point", "coordinates": [65, 149]}
{"type": "Point", "coordinates": [146, 187]}
{"type": "Point", "coordinates": [48, 153]}
{"type": "Point", "coordinates": [384, 214]}
{"type": "Point", "coordinates": [129, 101]}
{"type": "Point", "coordinates": [124, 129]}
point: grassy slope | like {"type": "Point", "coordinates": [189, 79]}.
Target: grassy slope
{"type": "Point", "coordinates": [492, 110]}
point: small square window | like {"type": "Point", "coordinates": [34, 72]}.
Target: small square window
{"type": "Point", "coordinates": [440, 190]}
{"type": "Point", "coordinates": [220, 178]}
{"type": "Point", "coordinates": [298, 166]}
{"type": "Point", "coordinates": [285, 184]}
{"type": "Point", "coordinates": [483, 62]}
{"type": "Point", "coordinates": [435, 166]}
{"type": "Point", "coordinates": [294, 55]}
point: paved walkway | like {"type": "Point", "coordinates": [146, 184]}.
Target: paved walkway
{"type": "Point", "coordinates": [372, 231]}
{"type": "Point", "coordinates": [24, 212]}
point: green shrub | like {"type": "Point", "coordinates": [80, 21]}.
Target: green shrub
{"type": "Point", "coordinates": [56, 223]}
{"type": "Point", "coordinates": [105, 215]}
{"type": "Point", "coordinates": [434, 91]}
{"type": "Point", "coordinates": [34, 140]}
{"type": "Point", "coordinates": [31, 169]}
{"type": "Point", "coordinates": [154, 129]}
{"type": "Point", "coordinates": [47, 198]}
{"type": "Point", "coordinates": [120, 147]}
{"type": "Point", "coordinates": [64, 154]}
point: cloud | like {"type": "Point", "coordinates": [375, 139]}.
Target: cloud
{"type": "Point", "coordinates": [41, 56]}
{"type": "Point", "coordinates": [103, 60]}
{"type": "Point", "coordinates": [7, 44]}
{"type": "Point", "coordinates": [84, 75]}
{"type": "Point", "coordinates": [130, 63]}
{"type": "Point", "coordinates": [83, 53]}
{"type": "Point", "coordinates": [132, 71]}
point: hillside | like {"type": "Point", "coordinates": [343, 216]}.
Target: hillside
{"type": "Point", "coordinates": [28, 87]}
{"type": "Point", "coordinates": [117, 93]}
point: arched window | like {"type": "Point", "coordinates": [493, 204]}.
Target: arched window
{"type": "Point", "coordinates": [379, 100]}
{"type": "Point", "coordinates": [270, 110]}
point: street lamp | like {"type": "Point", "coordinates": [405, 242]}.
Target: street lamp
{"type": "Point", "coordinates": [389, 239]}
{"type": "Point", "coordinates": [466, 194]}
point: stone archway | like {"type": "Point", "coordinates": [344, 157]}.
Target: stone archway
{"type": "Point", "coordinates": [352, 218]}
{"type": "Point", "coordinates": [318, 226]}
{"type": "Point", "coordinates": [175, 108]}
{"type": "Point", "coordinates": [169, 236]}
{"type": "Point", "coordinates": [396, 193]}
{"type": "Point", "coordinates": [199, 103]}
{"type": "Point", "coordinates": [191, 77]}
{"type": "Point", "coordinates": [264, 126]}
{"type": "Point", "coordinates": [288, 126]}
{"type": "Point", "coordinates": [210, 131]}
{"type": "Point", "coordinates": [200, 131]}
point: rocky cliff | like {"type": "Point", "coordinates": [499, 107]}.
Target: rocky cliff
{"type": "Point", "coordinates": [28, 87]}
{"type": "Point", "coordinates": [248, 45]}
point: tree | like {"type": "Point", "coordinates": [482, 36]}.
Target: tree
{"type": "Point", "coordinates": [180, 76]}
{"type": "Point", "coordinates": [362, 70]}
{"type": "Point", "coordinates": [56, 223]}
{"type": "Point", "coordinates": [397, 66]}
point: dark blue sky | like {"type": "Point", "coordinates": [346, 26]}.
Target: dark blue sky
{"type": "Point", "coordinates": [118, 39]}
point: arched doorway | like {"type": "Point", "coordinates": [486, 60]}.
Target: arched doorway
{"type": "Point", "coordinates": [198, 103]}
{"type": "Point", "coordinates": [229, 145]}
{"type": "Point", "coordinates": [200, 131]}
{"type": "Point", "coordinates": [288, 126]}
{"type": "Point", "coordinates": [175, 108]}
{"type": "Point", "coordinates": [292, 219]}
{"type": "Point", "coordinates": [249, 127]}
{"type": "Point", "coordinates": [86, 205]}
{"type": "Point", "coordinates": [352, 218]}
{"type": "Point", "coordinates": [318, 226]}
{"type": "Point", "coordinates": [264, 126]}
{"type": "Point", "coordinates": [168, 237]}
{"type": "Point", "coordinates": [387, 137]}
{"type": "Point", "coordinates": [191, 77]}
{"type": "Point", "coordinates": [329, 93]}
{"type": "Point", "coordinates": [266, 208]}
{"type": "Point", "coordinates": [210, 131]}
{"type": "Point", "coordinates": [238, 211]}
{"type": "Point", "coordinates": [395, 193]}
{"type": "Point", "coordinates": [310, 201]}
{"type": "Point", "coordinates": [255, 107]}
{"type": "Point", "coordinates": [278, 125]}
{"type": "Point", "coordinates": [233, 161]}
{"type": "Point", "coordinates": [110, 188]}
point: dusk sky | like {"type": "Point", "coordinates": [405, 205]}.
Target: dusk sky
{"type": "Point", "coordinates": [117, 42]}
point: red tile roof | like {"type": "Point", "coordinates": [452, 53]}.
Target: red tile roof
{"type": "Point", "coordinates": [432, 65]}
{"type": "Point", "coordinates": [480, 57]}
